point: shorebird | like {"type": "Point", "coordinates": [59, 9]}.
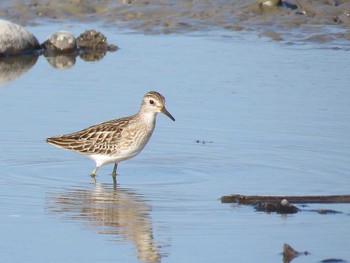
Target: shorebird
{"type": "Point", "coordinates": [116, 140]}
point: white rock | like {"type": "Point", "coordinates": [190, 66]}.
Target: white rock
{"type": "Point", "coordinates": [284, 202]}
{"type": "Point", "coordinates": [15, 39]}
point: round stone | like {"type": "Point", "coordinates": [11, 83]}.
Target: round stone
{"type": "Point", "coordinates": [61, 41]}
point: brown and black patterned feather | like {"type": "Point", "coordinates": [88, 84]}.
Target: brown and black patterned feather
{"type": "Point", "coordinates": [99, 138]}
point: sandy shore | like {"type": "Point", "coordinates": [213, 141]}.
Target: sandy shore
{"type": "Point", "coordinates": [290, 21]}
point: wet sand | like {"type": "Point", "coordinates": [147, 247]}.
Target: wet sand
{"type": "Point", "coordinates": [292, 21]}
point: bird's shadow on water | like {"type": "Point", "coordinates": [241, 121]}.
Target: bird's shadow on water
{"type": "Point", "coordinates": [108, 209]}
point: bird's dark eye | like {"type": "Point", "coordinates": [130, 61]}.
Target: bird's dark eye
{"type": "Point", "coordinates": [151, 102]}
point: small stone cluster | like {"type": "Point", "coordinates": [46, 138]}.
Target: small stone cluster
{"type": "Point", "coordinates": [65, 42]}
{"type": "Point", "coordinates": [16, 40]}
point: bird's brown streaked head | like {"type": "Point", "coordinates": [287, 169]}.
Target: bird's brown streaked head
{"type": "Point", "coordinates": [154, 101]}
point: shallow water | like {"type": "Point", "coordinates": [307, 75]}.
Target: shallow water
{"type": "Point", "coordinates": [274, 119]}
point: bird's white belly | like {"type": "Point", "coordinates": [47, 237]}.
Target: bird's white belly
{"type": "Point", "coordinates": [119, 155]}
{"type": "Point", "coordinates": [126, 151]}
{"type": "Point", "coordinates": [102, 159]}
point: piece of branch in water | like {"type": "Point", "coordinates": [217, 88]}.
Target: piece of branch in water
{"type": "Point", "coordinates": [282, 207]}
{"type": "Point", "coordinates": [281, 204]}
{"type": "Point", "coordinates": [307, 199]}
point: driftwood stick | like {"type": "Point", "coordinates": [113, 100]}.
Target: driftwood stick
{"type": "Point", "coordinates": [254, 199]}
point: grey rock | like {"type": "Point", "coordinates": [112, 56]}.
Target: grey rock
{"type": "Point", "coordinates": [16, 40]}
{"type": "Point", "coordinates": [61, 41]}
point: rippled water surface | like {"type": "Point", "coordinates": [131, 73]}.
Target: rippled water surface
{"type": "Point", "coordinates": [252, 117]}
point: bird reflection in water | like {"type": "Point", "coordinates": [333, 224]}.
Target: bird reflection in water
{"type": "Point", "coordinates": [110, 210]}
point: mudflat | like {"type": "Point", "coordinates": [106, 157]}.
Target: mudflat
{"type": "Point", "coordinates": [291, 21]}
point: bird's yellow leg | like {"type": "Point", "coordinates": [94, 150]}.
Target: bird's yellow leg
{"type": "Point", "coordinates": [114, 173]}
{"type": "Point", "coordinates": [93, 174]}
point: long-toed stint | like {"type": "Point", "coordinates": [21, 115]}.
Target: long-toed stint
{"type": "Point", "coordinates": [116, 140]}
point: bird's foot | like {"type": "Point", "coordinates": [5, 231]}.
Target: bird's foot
{"type": "Point", "coordinates": [114, 177]}
{"type": "Point", "coordinates": [93, 178]}
{"type": "Point", "coordinates": [114, 180]}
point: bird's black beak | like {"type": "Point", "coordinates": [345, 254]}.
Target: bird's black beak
{"type": "Point", "coordinates": [167, 113]}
